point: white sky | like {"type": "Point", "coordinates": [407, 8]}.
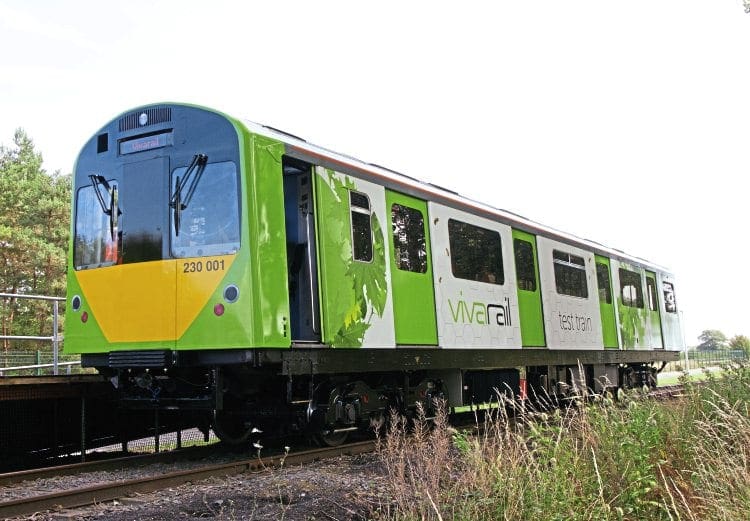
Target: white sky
{"type": "Point", "coordinates": [627, 123]}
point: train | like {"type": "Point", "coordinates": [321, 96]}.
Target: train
{"type": "Point", "coordinates": [228, 268]}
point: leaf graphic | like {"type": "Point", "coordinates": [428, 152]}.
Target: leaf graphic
{"type": "Point", "coordinates": [355, 291]}
{"type": "Point", "coordinates": [351, 336]}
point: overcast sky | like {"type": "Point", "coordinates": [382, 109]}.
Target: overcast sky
{"type": "Point", "coordinates": [627, 123]}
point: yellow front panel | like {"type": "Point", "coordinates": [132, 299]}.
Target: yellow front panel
{"type": "Point", "coordinates": [132, 302]}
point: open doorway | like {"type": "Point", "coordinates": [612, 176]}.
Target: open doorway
{"type": "Point", "coordinates": [301, 251]}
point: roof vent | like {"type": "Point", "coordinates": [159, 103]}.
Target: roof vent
{"type": "Point", "coordinates": [144, 118]}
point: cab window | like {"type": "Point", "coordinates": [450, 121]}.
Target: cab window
{"type": "Point", "coordinates": [95, 243]}
{"type": "Point", "coordinates": [209, 221]}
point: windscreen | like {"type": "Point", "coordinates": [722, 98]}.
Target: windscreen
{"type": "Point", "coordinates": [95, 245]}
{"type": "Point", "coordinates": [207, 222]}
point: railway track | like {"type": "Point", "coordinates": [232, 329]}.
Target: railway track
{"type": "Point", "coordinates": [105, 464]}
{"type": "Point", "coordinates": [109, 491]}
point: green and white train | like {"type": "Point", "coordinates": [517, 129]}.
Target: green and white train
{"type": "Point", "coordinates": [225, 266]}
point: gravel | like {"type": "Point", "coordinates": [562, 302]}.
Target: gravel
{"type": "Point", "coordinates": [344, 488]}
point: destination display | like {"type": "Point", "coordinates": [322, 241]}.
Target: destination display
{"type": "Point", "coordinates": [141, 144]}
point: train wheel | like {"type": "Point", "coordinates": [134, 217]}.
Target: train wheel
{"type": "Point", "coordinates": [231, 428]}
{"type": "Point", "coordinates": [330, 438]}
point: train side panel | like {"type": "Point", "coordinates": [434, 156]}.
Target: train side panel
{"type": "Point", "coordinates": [570, 299]}
{"type": "Point", "coordinates": [353, 266]}
{"type": "Point", "coordinates": [529, 289]}
{"type": "Point", "coordinates": [268, 250]}
{"type": "Point", "coordinates": [607, 302]}
{"type": "Point", "coordinates": [670, 317]}
{"type": "Point", "coordinates": [653, 312]}
{"type": "Point", "coordinates": [476, 295]}
{"type": "Point", "coordinates": [411, 270]}
{"type": "Point", "coordinates": [633, 320]}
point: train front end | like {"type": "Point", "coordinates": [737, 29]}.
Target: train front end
{"type": "Point", "coordinates": [174, 264]}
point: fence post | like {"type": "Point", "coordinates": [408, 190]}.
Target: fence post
{"type": "Point", "coordinates": [55, 341]}
{"type": "Point", "coordinates": [38, 362]}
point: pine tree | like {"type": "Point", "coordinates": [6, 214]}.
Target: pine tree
{"type": "Point", "coordinates": [34, 231]}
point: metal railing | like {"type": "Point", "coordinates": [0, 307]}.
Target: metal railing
{"type": "Point", "coordinates": [55, 338]}
{"type": "Point", "coordinates": [54, 367]}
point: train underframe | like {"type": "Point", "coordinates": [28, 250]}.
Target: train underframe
{"type": "Point", "coordinates": [330, 393]}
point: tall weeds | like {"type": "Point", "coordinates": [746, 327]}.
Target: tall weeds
{"type": "Point", "coordinates": [598, 458]}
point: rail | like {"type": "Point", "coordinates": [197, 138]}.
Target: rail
{"type": "Point", "coordinates": [55, 338]}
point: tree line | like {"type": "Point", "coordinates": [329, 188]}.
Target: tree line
{"type": "Point", "coordinates": [34, 233]}
{"type": "Point", "coordinates": [715, 340]}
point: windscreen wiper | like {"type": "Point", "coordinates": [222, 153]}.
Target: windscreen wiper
{"type": "Point", "coordinates": [193, 176]}
{"type": "Point", "coordinates": [98, 181]}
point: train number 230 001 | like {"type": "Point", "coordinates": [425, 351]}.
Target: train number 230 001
{"type": "Point", "coordinates": [199, 266]}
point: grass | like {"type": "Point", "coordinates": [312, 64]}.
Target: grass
{"type": "Point", "coordinates": [695, 375]}
{"type": "Point", "coordinates": [618, 458]}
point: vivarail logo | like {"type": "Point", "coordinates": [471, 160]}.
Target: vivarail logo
{"type": "Point", "coordinates": [481, 313]}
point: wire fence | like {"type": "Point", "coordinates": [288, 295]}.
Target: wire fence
{"type": "Point", "coordinates": [696, 359]}
{"type": "Point", "coordinates": [705, 358]}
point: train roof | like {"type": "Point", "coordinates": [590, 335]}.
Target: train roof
{"type": "Point", "coordinates": [301, 149]}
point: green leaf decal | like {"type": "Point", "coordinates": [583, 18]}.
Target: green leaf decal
{"type": "Point", "coordinates": [632, 325]}
{"type": "Point", "coordinates": [356, 291]}
{"type": "Point", "coordinates": [369, 277]}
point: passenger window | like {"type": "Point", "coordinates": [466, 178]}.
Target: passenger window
{"type": "Point", "coordinates": [631, 288]}
{"type": "Point", "coordinates": [476, 253]}
{"type": "Point", "coordinates": [94, 245]}
{"type": "Point", "coordinates": [602, 279]}
{"type": "Point", "coordinates": [651, 289]}
{"type": "Point", "coordinates": [359, 204]}
{"type": "Point", "coordinates": [209, 221]}
{"type": "Point", "coordinates": [525, 271]}
{"type": "Point", "coordinates": [409, 246]}
{"type": "Point", "coordinates": [670, 303]}
{"type": "Point", "coordinates": [570, 274]}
